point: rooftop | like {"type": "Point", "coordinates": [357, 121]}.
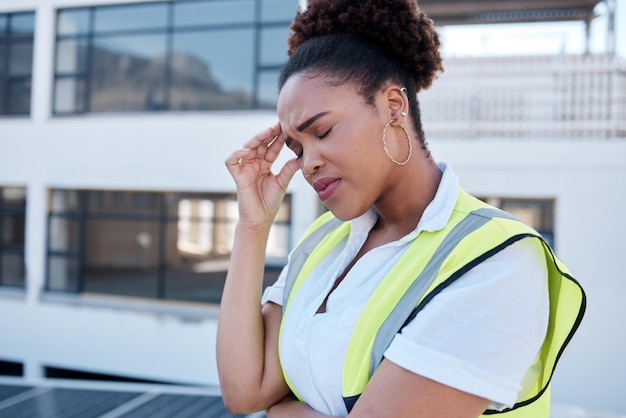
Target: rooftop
{"type": "Point", "coordinates": [453, 12]}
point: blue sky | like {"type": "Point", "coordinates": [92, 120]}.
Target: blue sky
{"type": "Point", "coordinates": [535, 38]}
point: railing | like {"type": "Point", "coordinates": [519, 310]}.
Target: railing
{"type": "Point", "coordinates": [582, 96]}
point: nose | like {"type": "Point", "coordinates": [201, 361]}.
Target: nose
{"type": "Point", "coordinates": [312, 161]}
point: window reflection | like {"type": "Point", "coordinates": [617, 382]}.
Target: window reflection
{"type": "Point", "coordinates": [121, 257]}
{"type": "Point", "coordinates": [179, 55]}
{"type": "Point", "coordinates": [131, 17]}
{"type": "Point", "coordinates": [21, 58]}
{"type": "Point", "coordinates": [71, 55]}
{"type": "Point", "coordinates": [154, 245]}
{"type": "Point", "coordinates": [23, 24]}
{"type": "Point", "coordinates": [127, 73]}
{"type": "Point", "coordinates": [277, 10]}
{"type": "Point", "coordinates": [73, 21]}
{"type": "Point", "coordinates": [271, 39]}
{"type": "Point", "coordinates": [267, 89]}
{"type": "Point", "coordinates": [16, 62]}
{"type": "Point", "coordinates": [210, 74]}
{"type": "Point", "coordinates": [213, 13]}
{"type": "Point", "coordinates": [19, 97]}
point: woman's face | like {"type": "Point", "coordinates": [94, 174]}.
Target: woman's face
{"type": "Point", "coordinates": [337, 138]}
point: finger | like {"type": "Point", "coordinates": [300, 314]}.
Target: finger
{"type": "Point", "coordinates": [264, 137]}
{"type": "Point", "coordinates": [286, 173]}
{"type": "Point", "coordinates": [236, 157]}
{"type": "Point", "coordinates": [273, 149]}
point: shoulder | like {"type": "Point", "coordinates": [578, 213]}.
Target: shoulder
{"type": "Point", "coordinates": [483, 331]}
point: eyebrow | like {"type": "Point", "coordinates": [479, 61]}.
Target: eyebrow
{"type": "Point", "coordinates": [310, 121]}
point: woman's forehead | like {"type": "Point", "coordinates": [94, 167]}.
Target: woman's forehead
{"type": "Point", "coordinates": [302, 90]}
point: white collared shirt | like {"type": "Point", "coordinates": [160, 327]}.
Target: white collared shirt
{"type": "Point", "coordinates": [479, 335]}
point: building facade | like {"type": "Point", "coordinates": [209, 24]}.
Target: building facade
{"type": "Point", "coordinates": [116, 210]}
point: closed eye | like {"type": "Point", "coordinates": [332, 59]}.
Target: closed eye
{"type": "Point", "coordinates": [324, 135]}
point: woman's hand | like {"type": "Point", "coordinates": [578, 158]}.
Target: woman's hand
{"type": "Point", "coordinates": [259, 191]}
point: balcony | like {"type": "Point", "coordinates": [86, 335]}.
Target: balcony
{"type": "Point", "coordinates": [543, 97]}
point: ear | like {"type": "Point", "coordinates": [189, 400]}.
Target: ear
{"type": "Point", "coordinates": [397, 103]}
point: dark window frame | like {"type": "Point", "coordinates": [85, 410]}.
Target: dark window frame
{"type": "Point", "coordinates": [163, 218]}
{"type": "Point", "coordinates": [258, 25]}
{"type": "Point", "coordinates": [7, 80]}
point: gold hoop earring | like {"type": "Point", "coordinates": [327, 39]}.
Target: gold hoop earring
{"type": "Point", "coordinates": [387, 150]}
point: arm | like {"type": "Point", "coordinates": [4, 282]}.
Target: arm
{"type": "Point", "coordinates": [397, 393]}
{"type": "Point", "coordinates": [247, 339]}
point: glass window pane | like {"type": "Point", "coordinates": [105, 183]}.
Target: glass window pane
{"type": "Point", "coordinates": [208, 73]}
{"type": "Point", "coordinates": [128, 73]}
{"type": "Point", "coordinates": [133, 17]}
{"type": "Point", "coordinates": [13, 197]}
{"type": "Point", "coordinates": [12, 273]}
{"type": "Point", "coordinates": [2, 88]}
{"type": "Point", "coordinates": [64, 201]}
{"type": "Point", "coordinates": [195, 226]}
{"type": "Point", "coordinates": [12, 229]}
{"type": "Point", "coordinates": [63, 274]}
{"type": "Point", "coordinates": [536, 213]}
{"type": "Point", "coordinates": [63, 234]}
{"type": "Point", "coordinates": [278, 10]}
{"type": "Point", "coordinates": [284, 212]}
{"type": "Point", "coordinates": [19, 97]}
{"type": "Point", "coordinates": [128, 203]}
{"type": "Point", "coordinates": [3, 24]}
{"type": "Point", "coordinates": [195, 280]}
{"type": "Point", "coordinates": [69, 95]}
{"type": "Point", "coordinates": [73, 21]}
{"type": "Point", "coordinates": [121, 257]}
{"type": "Point", "coordinates": [71, 55]}
{"type": "Point", "coordinates": [22, 24]}
{"type": "Point", "coordinates": [21, 58]}
{"type": "Point", "coordinates": [278, 241]}
{"type": "Point", "coordinates": [274, 45]}
{"type": "Point", "coordinates": [267, 94]}
{"type": "Point", "coordinates": [213, 12]}
{"type": "Point", "coordinates": [3, 65]}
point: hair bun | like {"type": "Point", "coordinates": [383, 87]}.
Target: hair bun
{"type": "Point", "coordinates": [398, 27]}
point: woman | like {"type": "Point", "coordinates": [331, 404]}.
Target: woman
{"type": "Point", "coordinates": [353, 325]}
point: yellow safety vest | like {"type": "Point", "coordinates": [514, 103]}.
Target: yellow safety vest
{"type": "Point", "coordinates": [434, 260]}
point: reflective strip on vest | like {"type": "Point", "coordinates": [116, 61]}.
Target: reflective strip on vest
{"type": "Point", "coordinates": [434, 260]}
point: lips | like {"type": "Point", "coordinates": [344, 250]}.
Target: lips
{"type": "Point", "coordinates": [325, 187]}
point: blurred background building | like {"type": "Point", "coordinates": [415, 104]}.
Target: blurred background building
{"type": "Point", "coordinates": [117, 214]}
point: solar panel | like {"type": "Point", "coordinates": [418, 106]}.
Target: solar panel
{"type": "Point", "coordinates": [61, 402]}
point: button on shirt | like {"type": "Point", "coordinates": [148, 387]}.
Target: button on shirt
{"type": "Point", "coordinates": [480, 335]}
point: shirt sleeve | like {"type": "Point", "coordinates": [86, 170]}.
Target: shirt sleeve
{"type": "Point", "coordinates": [482, 333]}
{"type": "Point", "coordinates": [274, 293]}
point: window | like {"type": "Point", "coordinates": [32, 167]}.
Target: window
{"type": "Point", "coordinates": [144, 244]}
{"type": "Point", "coordinates": [16, 62]}
{"type": "Point", "coordinates": [12, 229]}
{"type": "Point", "coordinates": [173, 55]}
{"type": "Point", "coordinates": [537, 213]}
